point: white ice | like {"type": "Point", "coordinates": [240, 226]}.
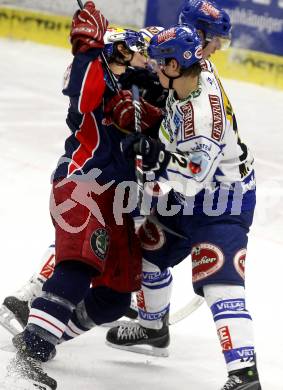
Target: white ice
{"type": "Point", "coordinates": [32, 134]}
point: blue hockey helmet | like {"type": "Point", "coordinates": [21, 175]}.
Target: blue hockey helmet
{"type": "Point", "coordinates": [206, 16]}
{"type": "Point", "coordinates": [180, 42]}
{"type": "Point", "coordinates": [133, 40]}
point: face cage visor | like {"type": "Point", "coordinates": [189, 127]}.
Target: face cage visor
{"type": "Point", "coordinates": [156, 65]}
{"type": "Point", "coordinates": [135, 46]}
{"type": "Point", "coordinates": [223, 42]}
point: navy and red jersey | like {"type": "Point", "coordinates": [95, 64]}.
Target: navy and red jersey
{"type": "Point", "coordinates": [94, 142]}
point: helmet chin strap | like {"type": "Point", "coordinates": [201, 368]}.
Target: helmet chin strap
{"type": "Point", "coordinates": [171, 78]}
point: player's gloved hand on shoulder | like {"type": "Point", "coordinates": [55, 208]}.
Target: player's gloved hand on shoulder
{"type": "Point", "coordinates": [155, 157]}
{"type": "Point", "coordinates": [88, 29]}
{"type": "Point", "coordinates": [122, 112]}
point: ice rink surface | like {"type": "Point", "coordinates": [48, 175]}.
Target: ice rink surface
{"type": "Point", "coordinates": [32, 134]}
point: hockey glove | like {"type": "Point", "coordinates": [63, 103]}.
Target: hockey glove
{"type": "Point", "coordinates": [122, 112]}
{"type": "Point", "coordinates": [148, 82]}
{"type": "Point", "coordinates": [88, 29]}
{"type": "Point", "coordinates": [155, 157]}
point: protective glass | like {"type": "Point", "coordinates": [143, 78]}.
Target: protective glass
{"type": "Point", "coordinates": [156, 65]}
{"type": "Point", "coordinates": [222, 42]}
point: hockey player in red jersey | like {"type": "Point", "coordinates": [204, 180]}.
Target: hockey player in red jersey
{"type": "Point", "coordinates": [91, 245]}
{"type": "Point", "coordinates": [186, 159]}
{"type": "Point", "coordinates": [124, 50]}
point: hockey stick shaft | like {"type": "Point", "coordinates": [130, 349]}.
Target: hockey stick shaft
{"type": "Point", "coordinates": [105, 63]}
{"type": "Point", "coordinates": [138, 160]}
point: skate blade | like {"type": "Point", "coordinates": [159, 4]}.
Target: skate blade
{"type": "Point", "coordinates": [141, 349]}
{"type": "Point", "coordinates": [8, 321]}
{"type": "Point", "coordinates": [10, 383]}
{"type": "Point", "coordinates": [8, 348]}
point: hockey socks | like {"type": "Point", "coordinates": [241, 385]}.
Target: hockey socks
{"type": "Point", "coordinates": [101, 305]}
{"type": "Point", "coordinates": [51, 312]}
{"type": "Point", "coordinates": [233, 323]}
{"type": "Point", "coordinates": [153, 299]}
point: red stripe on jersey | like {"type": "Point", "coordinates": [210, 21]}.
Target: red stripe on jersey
{"type": "Point", "coordinates": [89, 139]}
{"type": "Point", "coordinates": [93, 87]}
{"type": "Point", "coordinates": [48, 322]}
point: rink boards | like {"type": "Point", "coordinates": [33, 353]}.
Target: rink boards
{"type": "Point", "coordinates": [241, 64]}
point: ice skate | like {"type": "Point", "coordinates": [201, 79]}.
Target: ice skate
{"type": "Point", "coordinates": [244, 379]}
{"type": "Point", "coordinates": [14, 311]}
{"type": "Point", "coordinates": [136, 338]}
{"type": "Point", "coordinates": [24, 371]}
{"type": "Point", "coordinates": [19, 345]}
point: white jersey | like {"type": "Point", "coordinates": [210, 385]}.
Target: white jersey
{"type": "Point", "coordinates": [201, 132]}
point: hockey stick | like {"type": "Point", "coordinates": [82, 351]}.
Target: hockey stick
{"type": "Point", "coordinates": [105, 63]}
{"type": "Point", "coordinates": [186, 310]}
{"type": "Point", "coordinates": [138, 159]}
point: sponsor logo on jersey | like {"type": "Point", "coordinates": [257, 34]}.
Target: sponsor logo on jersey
{"type": "Point", "coordinates": [217, 125]}
{"type": "Point", "coordinates": [207, 259]}
{"type": "Point", "coordinates": [166, 35]}
{"type": "Point", "coordinates": [239, 262]}
{"type": "Point", "coordinates": [225, 338]}
{"type": "Point", "coordinates": [99, 243]}
{"type": "Point", "coordinates": [151, 236]}
{"type": "Point", "coordinates": [188, 120]}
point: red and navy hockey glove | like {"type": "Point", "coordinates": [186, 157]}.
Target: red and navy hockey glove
{"type": "Point", "coordinates": [155, 157]}
{"type": "Point", "coordinates": [88, 29]}
{"type": "Point", "coordinates": [122, 112]}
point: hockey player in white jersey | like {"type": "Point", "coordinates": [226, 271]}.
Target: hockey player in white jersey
{"type": "Point", "coordinates": [210, 170]}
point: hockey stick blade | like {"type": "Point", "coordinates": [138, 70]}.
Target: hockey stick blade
{"type": "Point", "coordinates": [185, 311]}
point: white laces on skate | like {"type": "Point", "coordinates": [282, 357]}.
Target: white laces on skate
{"type": "Point", "coordinates": [233, 380]}
{"type": "Point", "coordinates": [132, 332]}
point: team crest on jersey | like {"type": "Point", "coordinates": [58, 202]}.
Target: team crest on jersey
{"type": "Point", "coordinates": [99, 243]}
{"type": "Point", "coordinates": [217, 117]}
{"type": "Point", "coordinates": [239, 262]}
{"type": "Point", "coordinates": [207, 259]}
